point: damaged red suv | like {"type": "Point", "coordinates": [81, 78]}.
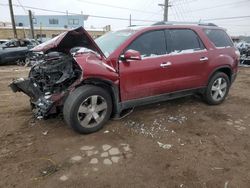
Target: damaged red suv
{"type": "Point", "coordinates": [91, 81]}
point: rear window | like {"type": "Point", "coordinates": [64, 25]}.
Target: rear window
{"type": "Point", "coordinates": [183, 40]}
{"type": "Point", "coordinates": [219, 37]}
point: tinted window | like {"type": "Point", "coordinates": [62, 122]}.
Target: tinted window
{"type": "Point", "coordinates": [219, 37]}
{"type": "Point", "coordinates": [150, 44]}
{"type": "Point", "coordinates": [181, 40]}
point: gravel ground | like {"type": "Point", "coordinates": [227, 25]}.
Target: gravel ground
{"type": "Point", "coordinates": [180, 143]}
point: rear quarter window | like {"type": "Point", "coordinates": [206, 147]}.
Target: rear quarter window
{"type": "Point", "coordinates": [219, 38]}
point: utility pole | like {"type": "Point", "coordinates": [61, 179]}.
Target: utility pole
{"type": "Point", "coordinates": [12, 19]}
{"type": "Point", "coordinates": [165, 6]}
{"type": "Point", "coordinates": [165, 18]}
{"type": "Point", "coordinates": [31, 25]}
{"type": "Point", "coordinates": [130, 20]}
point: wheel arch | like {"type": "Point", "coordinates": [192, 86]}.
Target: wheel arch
{"type": "Point", "coordinates": [225, 69]}
{"type": "Point", "coordinates": [110, 87]}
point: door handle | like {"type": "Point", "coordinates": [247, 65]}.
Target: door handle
{"type": "Point", "coordinates": [204, 59]}
{"type": "Point", "coordinates": [167, 64]}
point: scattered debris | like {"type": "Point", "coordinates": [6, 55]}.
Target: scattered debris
{"type": "Point", "coordinates": [76, 158]}
{"type": "Point", "coordinates": [179, 140]}
{"type": "Point", "coordinates": [157, 127]}
{"type": "Point", "coordinates": [164, 146]}
{"type": "Point", "coordinates": [45, 133]}
{"type": "Point", "coordinates": [48, 170]}
{"type": "Point", "coordinates": [64, 178]}
{"type": "Point", "coordinates": [179, 119]}
{"type": "Point", "coordinates": [226, 184]}
{"type": "Point", "coordinates": [217, 168]}
{"type": "Point", "coordinates": [105, 132]}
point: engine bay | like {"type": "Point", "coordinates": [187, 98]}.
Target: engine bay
{"type": "Point", "coordinates": [55, 73]}
{"type": "Point", "coordinates": [50, 80]}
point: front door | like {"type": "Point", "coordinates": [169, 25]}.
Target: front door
{"type": "Point", "coordinates": [150, 76]}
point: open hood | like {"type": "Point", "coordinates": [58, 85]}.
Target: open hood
{"type": "Point", "coordinates": [65, 41]}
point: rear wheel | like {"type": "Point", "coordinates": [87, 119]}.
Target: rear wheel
{"type": "Point", "coordinates": [87, 109]}
{"type": "Point", "coordinates": [217, 89]}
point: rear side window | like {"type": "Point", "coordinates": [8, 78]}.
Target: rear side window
{"type": "Point", "coordinates": [150, 44]}
{"type": "Point", "coordinates": [219, 37]}
{"type": "Point", "coordinates": [183, 40]}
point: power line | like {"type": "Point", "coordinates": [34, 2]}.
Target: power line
{"type": "Point", "coordinates": [113, 6]}
{"type": "Point", "coordinates": [94, 16]}
{"type": "Point", "coordinates": [226, 18]}
{"type": "Point", "coordinates": [22, 6]}
{"type": "Point", "coordinates": [221, 5]}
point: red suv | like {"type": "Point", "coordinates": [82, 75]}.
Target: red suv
{"type": "Point", "coordinates": [91, 81]}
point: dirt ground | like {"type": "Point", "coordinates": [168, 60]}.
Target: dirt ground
{"type": "Point", "coordinates": [180, 143]}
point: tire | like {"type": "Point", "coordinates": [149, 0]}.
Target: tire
{"type": "Point", "coordinates": [87, 109]}
{"type": "Point", "coordinates": [219, 86]}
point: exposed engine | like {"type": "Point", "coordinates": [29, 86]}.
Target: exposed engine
{"type": "Point", "coordinates": [49, 82]}
{"type": "Point", "coordinates": [55, 73]}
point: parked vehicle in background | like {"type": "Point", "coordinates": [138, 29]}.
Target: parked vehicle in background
{"type": "Point", "coordinates": [244, 49]}
{"type": "Point", "coordinates": [16, 50]}
{"type": "Point", "coordinates": [91, 81]}
{"type": "Point", "coordinates": [3, 41]}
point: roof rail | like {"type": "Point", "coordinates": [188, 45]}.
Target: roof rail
{"type": "Point", "coordinates": [184, 23]}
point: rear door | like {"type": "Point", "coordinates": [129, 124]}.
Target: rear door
{"type": "Point", "coordinates": [189, 58]}
{"type": "Point", "coordinates": [149, 76]}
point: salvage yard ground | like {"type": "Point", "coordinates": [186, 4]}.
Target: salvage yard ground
{"type": "Point", "coordinates": [180, 143]}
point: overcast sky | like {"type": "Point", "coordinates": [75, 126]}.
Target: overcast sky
{"type": "Point", "coordinates": [180, 10]}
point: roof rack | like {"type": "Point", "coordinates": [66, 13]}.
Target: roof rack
{"type": "Point", "coordinates": [184, 23]}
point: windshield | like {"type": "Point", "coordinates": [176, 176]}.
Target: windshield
{"type": "Point", "coordinates": [112, 40]}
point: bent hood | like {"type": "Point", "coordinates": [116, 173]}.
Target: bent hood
{"type": "Point", "coordinates": [65, 41]}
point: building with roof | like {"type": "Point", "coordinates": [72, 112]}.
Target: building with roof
{"type": "Point", "coordinates": [52, 21]}
{"type": "Point", "coordinates": [44, 34]}
{"type": "Point", "coordinates": [48, 26]}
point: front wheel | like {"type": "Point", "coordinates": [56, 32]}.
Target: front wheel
{"type": "Point", "coordinates": [217, 89]}
{"type": "Point", "coordinates": [87, 109]}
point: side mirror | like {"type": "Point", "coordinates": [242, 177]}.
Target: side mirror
{"type": "Point", "coordinates": [131, 55]}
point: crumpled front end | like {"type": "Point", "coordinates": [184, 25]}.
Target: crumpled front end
{"type": "Point", "coordinates": [56, 73]}
{"type": "Point", "coordinates": [49, 82]}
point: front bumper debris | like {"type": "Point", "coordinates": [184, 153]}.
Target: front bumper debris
{"type": "Point", "coordinates": [41, 104]}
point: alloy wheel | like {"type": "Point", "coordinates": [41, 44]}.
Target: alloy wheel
{"type": "Point", "coordinates": [219, 89]}
{"type": "Point", "coordinates": [92, 111]}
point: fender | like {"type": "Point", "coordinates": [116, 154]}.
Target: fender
{"type": "Point", "coordinates": [227, 67]}
{"type": "Point", "coordinates": [111, 87]}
